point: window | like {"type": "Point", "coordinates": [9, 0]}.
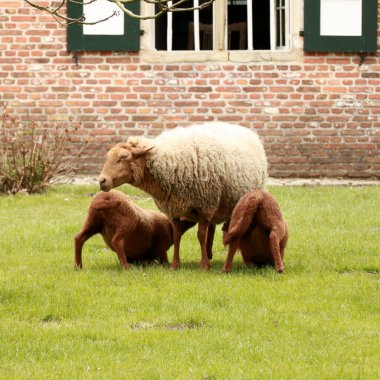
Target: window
{"type": "Point", "coordinates": [226, 25]}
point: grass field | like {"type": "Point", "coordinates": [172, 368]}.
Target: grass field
{"type": "Point", "coordinates": [320, 320]}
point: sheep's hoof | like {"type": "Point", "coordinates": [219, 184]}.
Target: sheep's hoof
{"type": "Point", "coordinates": [78, 266]}
{"type": "Point", "coordinates": [175, 266]}
{"type": "Point", "coordinates": [205, 266]}
{"type": "Point", "coordinates": [226, 270]}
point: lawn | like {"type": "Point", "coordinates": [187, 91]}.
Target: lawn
{"type": "Point", "coordinates": [320, 320]}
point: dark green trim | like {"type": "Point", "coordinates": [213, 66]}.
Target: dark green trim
{"type": "Point", "coordinates": [77, 41]}
{"type": "Point", "coordinates": [314, 42]}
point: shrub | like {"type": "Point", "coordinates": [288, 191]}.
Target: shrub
{"type": "Point", "coordinates": [33, 157]}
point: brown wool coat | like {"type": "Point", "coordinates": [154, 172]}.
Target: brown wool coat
{"type": "Point", "coordinates": [259, 229]}
{"type": "Point", "coordinates": [134, 233]}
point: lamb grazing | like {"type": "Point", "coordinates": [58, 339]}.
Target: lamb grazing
{"type": "Point", "coordinates": [198, 172]}
{"type": "Point", "coordinates": [259, 230]}
{"type": "Point", "coordinates": [132, 232]}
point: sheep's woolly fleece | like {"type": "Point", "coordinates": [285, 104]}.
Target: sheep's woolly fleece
{"type": "Point", "coordinates": [126, 207]}
{"type": "Point", "coordinates": [205, 166]}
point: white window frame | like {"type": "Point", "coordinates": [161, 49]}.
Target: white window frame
{"type": "Point", "coordinates": [273, 14]}
{"type": "Point", "coordinates": [293, 26]}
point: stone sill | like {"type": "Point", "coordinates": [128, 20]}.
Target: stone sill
{"type": "Point", "coordinates": [150, 56]}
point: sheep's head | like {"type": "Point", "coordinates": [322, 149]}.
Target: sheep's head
{"type": "Point", "coordinates": [118, 169]}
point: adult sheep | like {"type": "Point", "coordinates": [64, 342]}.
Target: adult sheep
{"type": "Point", "coordinates": [199, 172]}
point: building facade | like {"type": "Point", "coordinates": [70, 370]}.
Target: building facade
{"type": "Point", "coordinates": [251, 63]}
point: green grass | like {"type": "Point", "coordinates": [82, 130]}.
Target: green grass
{"type": "Point", "coordinates": [320, 320]}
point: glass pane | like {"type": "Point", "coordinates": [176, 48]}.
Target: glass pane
{"type": "Point", "coordinates": [183, 29]}
{"type": "Point", "coordinates": [237, 25]}
{"type": "Point", "coordinates": [261, 24]}
{"type": "Point", "coordinates": [181, 21]}
{"type": "Point", "coordinates": [161, 27]}
{"type": "Point", "coordinates": [206, 29]}
{"type": "Point", "coordinates": [283, 27]}
{"type": "Point", "coordinates": [278, 27]}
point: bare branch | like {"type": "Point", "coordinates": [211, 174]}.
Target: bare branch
{"type": "Point", "coordinates": [164, 6]}
{"type": "Point", "coordinates": [62, 18]}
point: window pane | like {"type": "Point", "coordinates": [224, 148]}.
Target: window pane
{"type": "Point", "coordinates": [161, 24]}
{"type": "Point", "coordinates": [278, 27]}
{"type": "Point", "coordinates": [237, 25]}
{"type": "Point", "coordinates": [261, 24]}
{"type": "Point", "coordinates": [282, 27]}
{"type": "Point", "coordinates": [281, 24]}
{"type": "Point", "coordinates": [257, 24]}
{"type": "Point", "coordinates": [182, 33]}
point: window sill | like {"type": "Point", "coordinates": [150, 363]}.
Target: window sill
{"type": "Point", "coordinates": [152, 56]}
{"type": "Point", "coordinates": [156, 56]}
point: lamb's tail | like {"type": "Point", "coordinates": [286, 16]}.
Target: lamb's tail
{"type": "Point", "coordinates": [242, 216]}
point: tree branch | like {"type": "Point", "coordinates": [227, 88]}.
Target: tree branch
{"type": "Point", "coordinates": [164, 6]}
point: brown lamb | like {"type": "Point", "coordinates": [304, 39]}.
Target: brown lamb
{"type": "Point", "coordinates": [135, 234]}
{"type": "Point", "coordinates": [259, 229]}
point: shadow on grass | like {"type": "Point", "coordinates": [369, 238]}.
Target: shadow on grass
{"type": "Point", "coordinates": [239, 268]}
{"type": "Point", "coordinates": [366, 270]}
{"type": "Point", "coordinates": [188, 324]}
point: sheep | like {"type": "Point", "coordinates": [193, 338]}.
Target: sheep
{"type": "Point", "coordinates": [197, 172]}
{"type": "Point", "coordinates": [259, 229]}
{"type": "Point", "coordinates": [133, 233]}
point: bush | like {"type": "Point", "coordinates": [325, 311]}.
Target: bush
{"type": "Point", "coordinates": [34, 157]}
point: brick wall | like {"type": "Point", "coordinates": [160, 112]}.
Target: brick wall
{"type": "Point", "coordinates": [318, 116]}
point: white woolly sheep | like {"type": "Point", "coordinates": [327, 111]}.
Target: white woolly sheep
{"type": "Point", "coordinates": [133, 233]}
{"type": "Point", "coordinates": [198, 172]}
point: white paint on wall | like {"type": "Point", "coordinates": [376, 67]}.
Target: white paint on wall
{"type": "Point", "coordinates": [99, 10]}
{"type": "Point", "coordinates": [341, 17]}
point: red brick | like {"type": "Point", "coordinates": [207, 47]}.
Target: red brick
{"type": "Point", "coordinates": [318, 115]}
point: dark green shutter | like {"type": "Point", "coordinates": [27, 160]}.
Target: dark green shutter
{"type": "Point", "coordinates": [77, 41]}
{"type": "Point", "coordinates": [314, 42]}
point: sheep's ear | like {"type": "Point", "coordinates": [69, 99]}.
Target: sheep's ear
{"type": "Point", "coordinates": [138, 152]}
{"type": "Point", "coordinates": [103, 204]}
{"type": "Point", "coordinates": [125, 157]}
{"type": "Point", "coordinates": [121, 211]}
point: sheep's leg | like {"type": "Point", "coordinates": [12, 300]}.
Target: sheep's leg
{"type": "Point", "coordinates": [163, 258]}
{"type": "Point", "coordinates": [283, 242]}
{"type": "Point", "coordinates": [118, 245]}
{"type": "Point", "coordinates": [232, 248]}
{"type": "Point", "coordinates": [203, 227]}
{"type": "Point", "coordinates": [274, 243]}
{"type": "Point", "coordinates": [210, 240]}
{"type": "Point", "coordinates": [225, 227]}
{"type": "Point", "coordinates": [177, 234]}
{"type": "Point", "coordinates": [79, 240]}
